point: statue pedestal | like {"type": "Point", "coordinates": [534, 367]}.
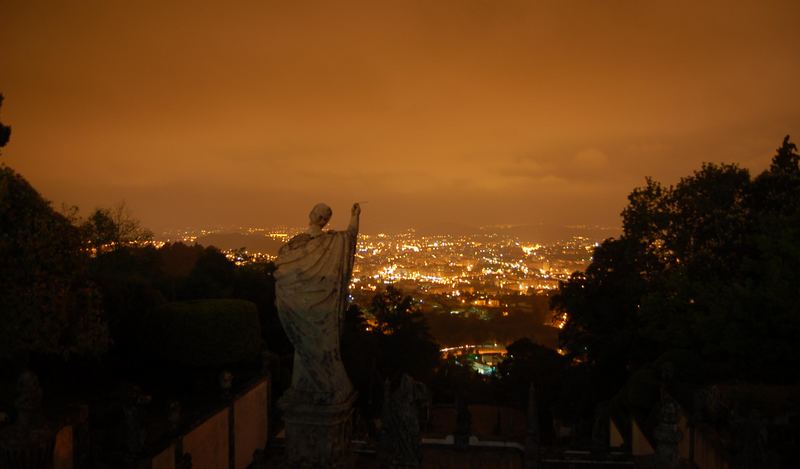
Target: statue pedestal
{"type": "Point", "coordinates": [318, 435]}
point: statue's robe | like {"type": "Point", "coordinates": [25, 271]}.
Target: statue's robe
{"type": "Point", "coordinates": [311, 288]}
{"type": "Point", "coordinates": [399, 444]}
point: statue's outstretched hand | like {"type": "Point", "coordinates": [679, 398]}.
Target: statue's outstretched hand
{"type": "Point", "coordinates": [356, 209]}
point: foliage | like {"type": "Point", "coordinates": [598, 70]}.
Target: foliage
{"type": "Point", "coordinates": [708, 266]}
{"type": "Point", "coordinates": [255, 282]}
{"type": "Point", "coordinates": [360, 355]}
{"type": "Point", "coordinates": [453, 381]}
{"type": "Point", "coordinates": [108, 228]}
{"type": "Point", "coordinates": [603, 305]}
{"type": "Point", "coordinates": [212, 276]}
{"type": "Point", "coordinates": [527, 362]}
{"type": "Point", "coordinates": [128, 279]}
{"type": "Point", "coordinates": [47, 303]}
{"type": "Point", "coordinates": [402, 334]}
{"type": "Point", "coordinates": [136, 280]}
{"type": "Point", "coordinates": [203, 333]}
{"type": "Point", "coordinates": [398, 342]}
{"type": "Point", "coordinates": [5, 131]}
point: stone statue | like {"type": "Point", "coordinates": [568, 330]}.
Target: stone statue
{"type": "Point", "coordinates": [667, 434]}
{"type": "Point", "coordinates": [400, 441]}
{"type": "Point", "coordinates": [312, 274]}
{"type": "Point", "coordinates": [135, 430]}
{"type": "Point", "coordinates": [311, 279]}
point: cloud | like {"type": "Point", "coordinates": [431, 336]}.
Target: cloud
{"type": "Point", "coordinates": [590, 159]}
{"type": "Point", "coordinates": [522, 167]}
{"type": "Point", "coordinates": [546, 110]}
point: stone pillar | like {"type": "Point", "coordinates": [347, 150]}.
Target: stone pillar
{"type": "Point", "coordinates": [667, 434]}
{"type": "Point", "coordinates": [532, 434]}
{"type": "Point", "coordinates": [318, 435]}
{"type": "Point", "coordinates": [463, 424]}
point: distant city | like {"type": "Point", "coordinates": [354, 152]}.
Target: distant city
{"type": "Point", "coordinates": [486, 263]}
{"type": "Point", "coordinates": [485, 274]}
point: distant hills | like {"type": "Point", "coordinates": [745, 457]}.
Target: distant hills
{"type": "Point", "coordinates": [251, 242]}
{"type": "Point", "coordinates": [539, 233]}
{"type": "Point", "coordinates": [542, 233]}
{"type": "Point", "coordinates": [549, 233]}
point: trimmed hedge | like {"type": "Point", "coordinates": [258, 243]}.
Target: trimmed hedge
{"type": "Point", "coordinates": [203, 333]}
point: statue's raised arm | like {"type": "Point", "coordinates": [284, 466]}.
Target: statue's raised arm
{"type": "Point", "coordinates": [355, 214]}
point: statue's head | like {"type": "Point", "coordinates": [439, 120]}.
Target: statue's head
{"type": "Point", "coordinates": [320, 215]}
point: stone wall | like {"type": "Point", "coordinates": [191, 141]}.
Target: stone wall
{"type": "Point", "coordinates": [700, 446]}
{"type": "Point", "coordinates": [250, 424]}
{"type": "Point", "coordinates": [474, 458]}
{"type": "Point", "coordinates": [707, 452]}
{"type": "Point", "coordinates": [639, 444]}
{"type": "Point", "coordinates": [164, 459]}
{"type": "Point", "coordinates": [208, 442]}
{"type": "Point", "coordinates": [226, 439]}
{"type": "Point", "coordinates": [64, 451]}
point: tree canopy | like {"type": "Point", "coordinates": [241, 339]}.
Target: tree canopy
{"type": "Point", "coordinates": [396, 342]}
{"type": "Point", "coordinates": [707, 266]}
{"type": "Point", "coordinates": [5, 131]}
{"type": "Point", "coordinates": [403, 338]}
{"type": "Point", "coordinates": [48, 305]}
{"type": "Point", "coordinates": [108, 228]}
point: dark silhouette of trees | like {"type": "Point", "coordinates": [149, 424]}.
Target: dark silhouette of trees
{"type": "Point", "coordinates": [108, 228]}
{"type": "Point", "coordinates": [526, 363]}
{"type": "Point", "coordinates": [5, 131]}
{"type": "Point", "coordinates": [404, 341]}
{"type": "Point", "coordinates": [129, 279]}
{"type": "Point", "coordinates": [529, 363]}
{"type": "Point", "coordinates": [398, 343]}
{"type": "Point", "coordinates": [708, 266]}
{"type": "Point", "coordinates": [361, 355]}
{"type": "Point", "coordinates": [48, 306]}
{"type": "Point", "coordinates": [255, 282]}
{"type": "Point", "coordinates": [135, 280]}
{"type": "Point", "coordinates": [213, 276]}
{"type": "Point", "coordinates": [603, 305]}
{"type": "Point", "coordinates": [207, 333]}
{"type": "Point", "coordinates": [786, 161]}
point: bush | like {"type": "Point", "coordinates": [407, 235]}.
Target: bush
{"type": "Point", "coordinates": [203, 333]}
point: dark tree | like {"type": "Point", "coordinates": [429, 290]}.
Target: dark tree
{"type": "Point", "coordinates": [47, 304]}
{"type": "Point", "coordinates": [5, 131]}
{"type": "Point", "coordinates": [110, 228]}
{"type": "Point", "coordinates": [404, 341]}
{"type": "Point", "coordinates": [255, 282]}
{"type": "Point", "coordinates": [129, 279]}
{"type": "Point", "coordinates": [786, 161]}
{"type": "Point", "coordinates": [528, 363]}
{"type": "Point", "coordinates": [707, 266]}
{"type": "Point", "coordinates": [396, 342]}
{"type": "Point", "coordinates": [361, 355]}
{"type": "Point", "coordinates": [213, 276]}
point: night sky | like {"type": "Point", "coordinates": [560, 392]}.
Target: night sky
{"type": "Point", "coordinates": [468, 112]}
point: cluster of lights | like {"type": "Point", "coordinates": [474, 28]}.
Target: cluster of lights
{"type": "Point", "coordinates": [461, 260]}
{"type": "Point", "coordinates": [450, 265]}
